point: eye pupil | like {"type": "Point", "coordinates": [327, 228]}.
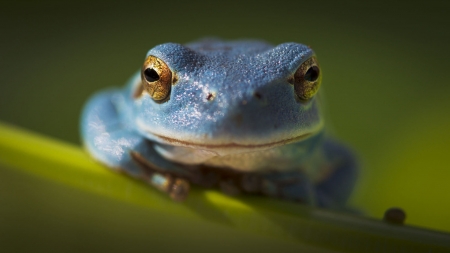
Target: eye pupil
{"type": "Point", "coordinates": [151, 75]}
{"type": "Point", "coordinates": [312, 74]}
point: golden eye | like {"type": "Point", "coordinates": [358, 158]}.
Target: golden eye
{"type": "Point", "coordinates": [156, 78]}
{"type": "Point", "coordinates": [307, 79]}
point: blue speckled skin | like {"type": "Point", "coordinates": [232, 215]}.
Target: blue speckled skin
{"type": "Point", "coordinates": [254, 125]}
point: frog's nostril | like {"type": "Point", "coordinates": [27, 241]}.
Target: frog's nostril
{"type": "Point", "coordinates": [257, 95]}
{"type": "Point", "coordinates": [210, 96]}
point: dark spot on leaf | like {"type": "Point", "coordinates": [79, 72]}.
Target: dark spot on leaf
{"type": "Point", "coordinates": [395, 215]}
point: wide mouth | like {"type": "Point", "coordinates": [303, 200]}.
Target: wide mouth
{"type": "Point", "coordinates": [229, 145]}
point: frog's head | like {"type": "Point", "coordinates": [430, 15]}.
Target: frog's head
{"type": "Point", "coordinates": [228, 97]}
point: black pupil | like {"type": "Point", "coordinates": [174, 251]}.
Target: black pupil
{"type": "Point", "coordinates": [151, 75]}
{"type": "Point", "coordinates": [312, 74]}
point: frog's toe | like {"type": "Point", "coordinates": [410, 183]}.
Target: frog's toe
{"type": "Point", "coordinates": [269, 188]}
{"type": "Point", "coordinates": [180, 189]}
{"type": "Point", "coordinates": [177, 188]}
{"type": "Point", "coordinates": [250, 183]}
{"type": "Point", "coordinates": [208, 178]}
{"type": "Point", "coordinates": [230, 187]}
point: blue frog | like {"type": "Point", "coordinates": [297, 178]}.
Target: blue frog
{"type": "Point", "coordinates": [244, 116]}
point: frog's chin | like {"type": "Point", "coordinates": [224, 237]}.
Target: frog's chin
{"type": "Point", "coordinates": [227, 148]}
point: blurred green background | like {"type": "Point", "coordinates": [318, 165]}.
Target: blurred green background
{"type": "Point", "coordinates": [386, 76]}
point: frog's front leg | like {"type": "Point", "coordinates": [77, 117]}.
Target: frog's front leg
{"type": "Point", "coordinates": [112, 142]}
{"type": "Point", "coordinates": [339, 171]}
{"type": "Point", "coordinates": [335, 189]}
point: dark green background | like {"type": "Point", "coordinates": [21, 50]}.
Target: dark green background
{"type": "Point", "coordinates": [386, 75]}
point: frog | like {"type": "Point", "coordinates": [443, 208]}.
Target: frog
{"type": "Point", "coordinates": [242, 116]}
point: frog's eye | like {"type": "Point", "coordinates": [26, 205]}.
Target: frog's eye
{"type": "Point", "coordinates": [156, 78]}
{"type": "Point", "coordinates": [307, 79]}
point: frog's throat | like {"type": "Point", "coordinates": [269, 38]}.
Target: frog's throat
{"type": "Point", "coordinates": [231, 145]}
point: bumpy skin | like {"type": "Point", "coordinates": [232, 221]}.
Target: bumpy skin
{"type": "Point", "coordinates": [232, 119]}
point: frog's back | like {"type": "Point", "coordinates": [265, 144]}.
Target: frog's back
{"type": "Point", "coordinates": [212, 46]}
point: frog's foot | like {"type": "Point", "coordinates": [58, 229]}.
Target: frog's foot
{"type": "Point", "coordinates": [227, 180]}
{"type": "Point", "coordinates": [334, 191]}
{"type": "Point", "coordinates": [175, 184]}
{"type": "Point", "coordinates": [293, 186]}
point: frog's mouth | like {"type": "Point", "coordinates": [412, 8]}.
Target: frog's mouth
{"type": "Point", "coordinates": [230, 145]}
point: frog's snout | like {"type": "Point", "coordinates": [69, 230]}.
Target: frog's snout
{"type": "Point", "coordinates": [237, 119]}
{"type": "Point", "coordinates": [257, 95]}
{"type": "Point", "coordinates": [251, 106]}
